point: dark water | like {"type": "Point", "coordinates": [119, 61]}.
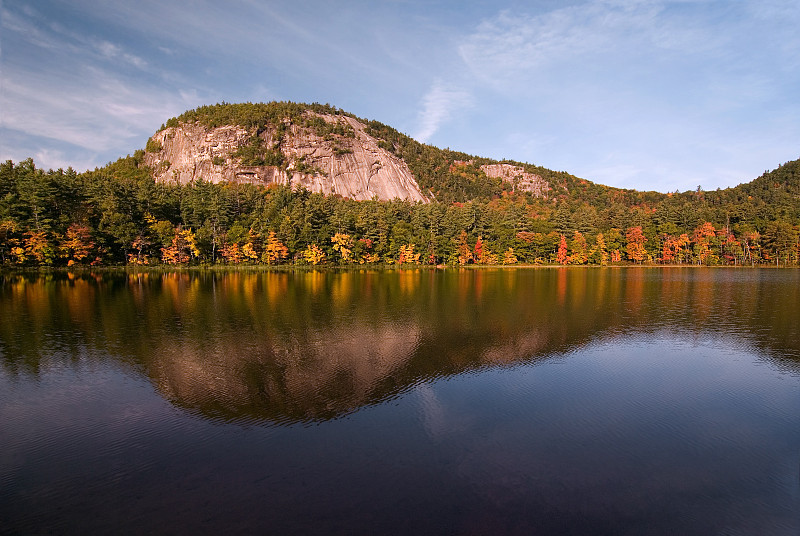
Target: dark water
{"type": "Point", "coordinates": [551, 401]}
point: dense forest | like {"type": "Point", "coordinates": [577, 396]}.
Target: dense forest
{"type": "Point", "coordinates": [119, 214]}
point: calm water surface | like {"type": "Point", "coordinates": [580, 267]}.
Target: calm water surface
{"type": "Point", "coordinates": [546, 401]}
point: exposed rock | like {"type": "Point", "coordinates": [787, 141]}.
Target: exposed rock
{"type": "Point", "coordinates": [521, 179]}
{"type": "Point", "coordinates": [352, 165]}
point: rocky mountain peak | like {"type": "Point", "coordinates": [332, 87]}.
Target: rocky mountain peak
{"type": "Point", "coordinates": [326, 153]}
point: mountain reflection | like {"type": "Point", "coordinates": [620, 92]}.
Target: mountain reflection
{"type": "Point", "coordinates": [304, 346]}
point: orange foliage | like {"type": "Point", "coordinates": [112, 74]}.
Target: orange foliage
{"type": "Point", "coordinates": [636, 240]}
{"type": "Point", "coordinates": [183, 248]}
{"type": "Point", "coordinates": [464, 251]}
{"type": "Point", "coordinates": [407, 255]}
{"type": "Point", "coordinates": [232, 253]}
{"type": "Point", "coordinates": [78, 243]}
{"type": "Point", "coordinates": [561, 256]}
{"type": "Point", "coordinates": [38, 246]}
{"type": "Point", "coordinates": [673, 248]}
{"type": "Point", "coordinates": [274, 250]}
{"type": "Point", "coordinates": [702, 237]}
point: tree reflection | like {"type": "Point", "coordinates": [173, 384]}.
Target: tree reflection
{"type": "Point", "coordinates": [302, 346]}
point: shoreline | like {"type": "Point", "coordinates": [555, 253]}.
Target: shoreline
{"type": "Point", "coordinates": [360, 268]}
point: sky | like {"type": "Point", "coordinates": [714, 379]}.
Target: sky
{"type": "Point", "coordinates": [663, 95]}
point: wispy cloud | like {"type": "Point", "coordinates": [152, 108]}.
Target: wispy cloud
{"type": "Point", "coordinates": [438, 106]}
{"type": "Point", "coordinates": [55, 159]}
{"type": "Point", "coordinates": [515, 49]}
{"type": "Point", "coordinates": [639, 91]}
{"type": "Point", "coordinates": [112, 52]}
{"type": "Point", "coordinates": [108, 78]}
{"type": "Point", "coordinates": [646, 92]}
{"type": "Point", "coordinates": [61, 88]}
{"type": "Point", "coordinates": [104, 112]}
{"type": "Point", "coordinates": [62, 40]}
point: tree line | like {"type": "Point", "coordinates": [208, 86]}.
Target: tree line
{"type": "Point", "coordinates": [119, 215]}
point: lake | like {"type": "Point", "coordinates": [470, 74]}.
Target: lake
{"type": "Point", "coordinates": [509, 401]}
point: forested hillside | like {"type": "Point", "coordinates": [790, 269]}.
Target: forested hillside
{"type": "Point", "coordinates": [120, 214]}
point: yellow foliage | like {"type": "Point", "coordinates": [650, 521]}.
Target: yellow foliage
{"type": "Point", "coordinates": [509, 257]}
{"type": "Point", "coordinates": [183, 247]}
{"type": "Point", "coordinates": [137, 259]}
{"type": "Point", "coordinates": [342, 243]}
{"type": "Point", "coordinates": [407, 255]}
{"type": "Point", "coordinates": [371, 258]}
{"type": "Point", "coordinates": [249, 252]}
{"type": "Point", "coordinates": [314, 255]}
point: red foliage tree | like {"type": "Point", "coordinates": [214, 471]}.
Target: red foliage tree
{"type": "Point", "coordinates": [636, 240]}
{"type": "Point", "coordinates": [561, 256]}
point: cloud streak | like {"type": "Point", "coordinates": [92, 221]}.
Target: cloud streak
{"type": "Point", "coordinates": [633, 93]}
{"type": "Point", "coordinates": [68, 93]}
{"type": "Point", "coordinates": [438, 106]}
{"type": "Point", "coordinates": [641, 93]}
{"type": "Point", "coordinates": [595, 38]}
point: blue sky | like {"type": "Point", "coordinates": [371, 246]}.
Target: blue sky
{"type": "Point", "coordinates": [662, 95]}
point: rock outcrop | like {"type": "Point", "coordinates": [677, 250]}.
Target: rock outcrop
{"type": "Point", "coordinates": [330, 154]}
{"type": "Point", "coordinates": [521, 180]}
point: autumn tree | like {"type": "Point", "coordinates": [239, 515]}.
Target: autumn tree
{"type": "Point", "coordinates": [407, 255]}
{"type": "Point", "coordinates": [635, 244]}
{"type": "Point", "coordinates": [362, 251]}
{"type": "Point", "coordinates": [77, 244]}
{"type": "Point", "coordinates": [274, 250]}
{"type": "Point", "coordinates": [578, 253]}
{"type": "Point", "coordinates": [464, 251]}
{"type": "Point", "coordinates": [38, 247]}
{"type": "Point", "coordinates": [138, 256]}
{"type": "Point", "coordinates": [342, 244]}
{"type": "Point", "coordinates": [730, 248]}
{"type": "Point", "coordinates": [703, 237]}
{"type": "Point", "coordinates": [562, 256]}
{"type": "Point", "coordinates": [599, 253]}
{"type": "Point", "coordinates": [232, 253]}
{"type": "Point", "coordinates": [251, 250]}
{"type": "Point", "coordinates": [313, 254]}
{"type": "Point", "coordinates": [482, 254]}
{"type": "Point", "coordinates": [673, 248]}
{"type": "Point", "coordinates": [751, 246]}
{"type": "Point", "coordinates": [182, 249]}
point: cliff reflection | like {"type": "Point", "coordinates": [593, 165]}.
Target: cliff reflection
{"type": "Point", "coordinates": [302, 346]}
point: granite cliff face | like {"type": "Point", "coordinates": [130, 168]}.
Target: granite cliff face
{"type": "Point", "coordinates": [518, 177]}
{"type": "Point", "coordinates": [324, 153]}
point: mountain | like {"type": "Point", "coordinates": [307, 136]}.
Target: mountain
{"type": "Point", "coordinates": [324, 150]}
{"type": "Point", "coordinates": [287, 183]}
{"type": "Point", "coordinates": [325, 153]}
{"type": "Point", "coordinates": [327, 150]}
